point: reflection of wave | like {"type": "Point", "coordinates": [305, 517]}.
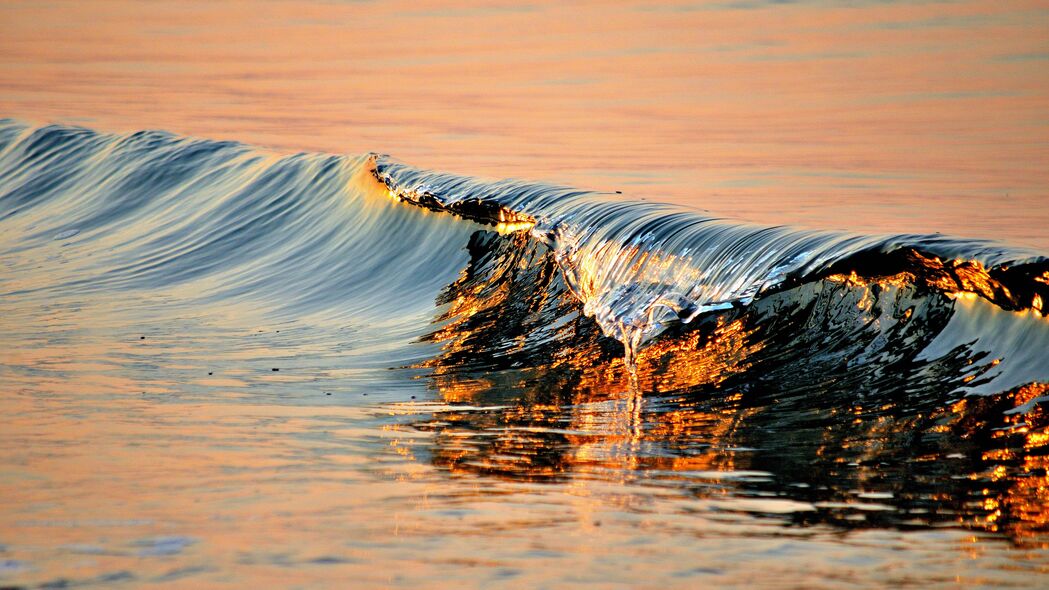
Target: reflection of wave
{"type": "Point", "coordinates": [828, 369]}
{"type": "Point", "coordinates": [863, 465]}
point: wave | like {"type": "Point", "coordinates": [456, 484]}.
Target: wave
{"type": "Point", "coordinates": [314, 234]}
{"type": "Point", "coordinates": [640, 267]}
{"type": "Point", "coordinates": [594, 335]}
{"type": "Point", "coordinates": [558, 310]}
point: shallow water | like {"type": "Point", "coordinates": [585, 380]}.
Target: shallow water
{"type": "Point", "coordinates": [223, 365]}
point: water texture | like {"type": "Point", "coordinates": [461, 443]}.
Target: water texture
{"type": "Point", "coordinates": [225, 366]}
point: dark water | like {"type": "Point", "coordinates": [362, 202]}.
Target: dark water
{"type": "Point", "coordinates": [222, 366]}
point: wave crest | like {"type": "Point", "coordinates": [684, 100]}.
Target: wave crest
{"type": "Point", "coordinates": [639, 268]}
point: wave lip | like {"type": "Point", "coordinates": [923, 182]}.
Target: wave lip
{"type": "Point", "coordinates": [640, 267]}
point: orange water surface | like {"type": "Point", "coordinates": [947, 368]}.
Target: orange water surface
{"type": "Point", "coordinates": [878, 116]}
{"type": "Point", "coordinates": [124, 462]}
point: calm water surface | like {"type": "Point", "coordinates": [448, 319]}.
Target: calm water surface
{"type": "Point", "coordinates": [222, 365]}
{"type": "Point", "coordinates": [884, 116]}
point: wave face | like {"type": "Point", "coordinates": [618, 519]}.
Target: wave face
{"type": "Point", "coordinates": [638, 267]}
{"type": "Point", "coordinates": [602, 334]}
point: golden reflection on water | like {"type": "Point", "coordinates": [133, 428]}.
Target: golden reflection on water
{"type": "Point", "coordinates": [604, 435]}
{"type": "Point", "coordinates": [1021, 510]}
{"type": "Point", "coordinates": [959, 278]}
{"type": "Point", "coordinates": [583, 415]}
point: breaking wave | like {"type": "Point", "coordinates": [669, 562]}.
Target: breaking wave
{"type": "Point", "coordinates": [522, 294]}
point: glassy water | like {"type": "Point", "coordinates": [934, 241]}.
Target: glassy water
{"type": "Point", "coordinates": [916, 116]}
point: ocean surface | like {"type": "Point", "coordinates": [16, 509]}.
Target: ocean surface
{"type": "Point", "coordinates": [326, 294]}
{"type": "Point", "coordinates": [223, 365]}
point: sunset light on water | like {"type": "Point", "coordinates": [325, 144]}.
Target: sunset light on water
{"type": "Point", "coordinates": [548, 295]}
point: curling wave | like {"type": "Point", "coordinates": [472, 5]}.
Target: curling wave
{"type": "Point", "coordinates": [534, 301]}
{"type": "Point", "coordinates": [639, 266]}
